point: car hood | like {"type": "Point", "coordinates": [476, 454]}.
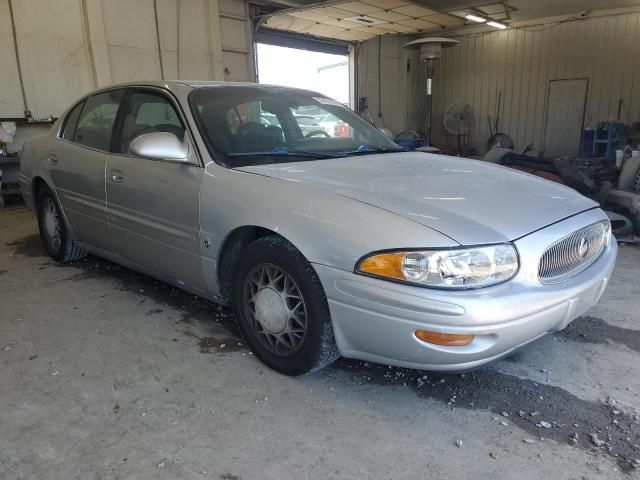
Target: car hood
{"type": "Point", "coordinates": [471, 201]}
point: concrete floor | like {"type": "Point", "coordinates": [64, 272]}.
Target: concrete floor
{"type": "Point", "coordinates": [105, 374]}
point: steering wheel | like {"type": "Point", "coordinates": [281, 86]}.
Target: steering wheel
{"type": "Point", "coordinates": [313, 133]}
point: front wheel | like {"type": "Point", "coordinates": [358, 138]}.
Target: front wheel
{"type": "Point", "coordinates": [282, 309]}
{"type": "Point", "coordinates": [53, 230]}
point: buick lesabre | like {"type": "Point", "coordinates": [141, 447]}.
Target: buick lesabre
{"type": "Point", "coordinates": [323, 245]}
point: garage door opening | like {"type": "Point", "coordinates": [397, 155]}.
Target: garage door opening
{"type": "Point", "coordinates": [292, 67]}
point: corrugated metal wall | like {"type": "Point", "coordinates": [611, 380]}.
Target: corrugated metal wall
{"type": "Point", "coordinates": [392, 80]}
{"type": "Point", "coordinates": [66, 48]}
{"type": "Point", "coordinates": [521, 62]}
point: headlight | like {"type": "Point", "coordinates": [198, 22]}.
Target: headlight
{"type": "Point", "coordinates": [452, 268]}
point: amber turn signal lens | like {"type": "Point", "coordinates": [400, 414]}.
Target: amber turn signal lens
{"type": "Point", "coordinates": [447, 339]}
{"type": "Point", "coordinates": [385, 265]}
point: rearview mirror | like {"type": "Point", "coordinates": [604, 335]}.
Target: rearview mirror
{"type": "Point", "coordinates": [160, 146]}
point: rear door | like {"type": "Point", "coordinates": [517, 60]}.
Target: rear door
{"type": "Point", "coordinates": [153, 205]}
{"type": "Point", "coordinates": [76, 162]}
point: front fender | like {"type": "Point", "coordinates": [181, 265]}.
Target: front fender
{"type": "Point", "coordinates": [327, 228]}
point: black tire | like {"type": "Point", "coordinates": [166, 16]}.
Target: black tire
{"type": "Point", "coordinates": [318, 348]}
{"type": "Point", "coordinates": [64, 250]}
{"type": "Point", "coordinates": [635, 188]}
{"type": "Point", "coordinates": [628, 174]}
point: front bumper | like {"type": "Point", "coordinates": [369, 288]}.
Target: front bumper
{"type": "Point", "coordinates": [375, 320]}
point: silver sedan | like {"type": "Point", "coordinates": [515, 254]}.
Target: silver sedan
{"type": "Point", "coordinates": [324, 246]}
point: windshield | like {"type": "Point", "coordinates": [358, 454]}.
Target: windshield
{"type": "Point", "coordinates": [257, 125]}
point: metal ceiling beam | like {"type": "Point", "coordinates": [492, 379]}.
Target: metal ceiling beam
{"type": "Point", "coordinates": [297, 5]}
{"type": "Point", "coordinates": [288, 3]}
{"type": "Point", "coordinates": [444, 6]}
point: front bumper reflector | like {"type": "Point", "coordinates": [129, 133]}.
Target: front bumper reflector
{"type": "Point", "coordinates": [446, 339]}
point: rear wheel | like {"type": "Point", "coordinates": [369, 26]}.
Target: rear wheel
{"type": "Point", "coordinates": [53, 230]}
{"type": "Point", "coordinates": [282, 309]}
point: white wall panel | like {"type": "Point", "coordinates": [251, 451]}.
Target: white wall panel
{"type": "Point", "coordinates": [237, 40]}
{"type": "Point", "coordinates": [69, 47]}
{"type": "Point", "coordinates": [132, 44]}
{"type": "Point", "coordinates": [391, 79]}
{"type": "Point", "coordinates": [236, 8]}
{"type": "Point", "coordinates": [234, 36]}
{"type": "Point", "coordinates": [52, 53]}
{"type": "Point", "coordinates": [11, 104]}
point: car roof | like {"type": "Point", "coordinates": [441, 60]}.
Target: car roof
{"type": "Point", "coordinates": [195, 84]}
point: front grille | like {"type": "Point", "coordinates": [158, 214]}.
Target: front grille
{"type": "Point", "coordinates": [573, 253]}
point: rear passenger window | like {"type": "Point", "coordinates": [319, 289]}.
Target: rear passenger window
{"type": "Point", "coordinates": [71, 122]}
{"type": "Point", "coordinates": [97, 118]}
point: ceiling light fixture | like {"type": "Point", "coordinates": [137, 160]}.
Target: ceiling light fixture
{"type": "Point", "coordinates": [501, 26]}
{"type": "Point", "coordinates": [475, 18]}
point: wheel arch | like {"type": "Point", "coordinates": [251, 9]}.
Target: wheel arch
{"type": "Point", "coordinates": [37, 184]}
{"type": "Point", "coordinates": [230, 250]}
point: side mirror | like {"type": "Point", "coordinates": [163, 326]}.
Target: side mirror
{"type": "Point", "coordinates": [159, 146]}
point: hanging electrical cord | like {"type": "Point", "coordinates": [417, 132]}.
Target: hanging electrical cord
{"type": "Point", "coordinates": [157, 23]}
{"type": "Point", "coordinates": [18, 64]}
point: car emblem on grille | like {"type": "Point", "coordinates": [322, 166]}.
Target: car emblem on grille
{"type": "Point", "coordinates": [583, 247]}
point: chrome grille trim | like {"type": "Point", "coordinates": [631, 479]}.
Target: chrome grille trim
{"type": "Point", "coordinates": [572, 254]}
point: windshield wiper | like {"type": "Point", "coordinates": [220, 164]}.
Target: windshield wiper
{"type": "Point", "coordinates": [285, 152]}
{"type": "Point", "coordinates": [368, 149]}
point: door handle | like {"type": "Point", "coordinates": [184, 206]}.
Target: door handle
{"type": "Point", "coordinates": [52, 159]}
{"type": "Point", "coordinates": [117, 176]}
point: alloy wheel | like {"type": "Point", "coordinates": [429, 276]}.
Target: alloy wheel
{"type": "Point", "coordinates": [52, 223]}
{"type": "Point", "coordinates": [275, 308]}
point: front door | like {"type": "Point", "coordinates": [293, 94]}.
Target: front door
{"type": "Point", "coordinates": [76, 162]}
{"type": "Point", "coordinates": [153, 205]}
{"type": "Point", "coordinates": [565, 116]}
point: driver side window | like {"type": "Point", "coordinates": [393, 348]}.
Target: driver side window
{"type": "Point", "coordinates": [149, 112]}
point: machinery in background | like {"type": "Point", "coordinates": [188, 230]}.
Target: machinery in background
{"type": "Point", "coordinates": [500, 140]}
{"type": "Point", "coordinates": [604, 140]}
{"type": "Point", "coordinates": [9, 164]}
{"type": "Point", "coordinates": [616, 189]}
{"type": "Point", "coordinates": [409, 140]}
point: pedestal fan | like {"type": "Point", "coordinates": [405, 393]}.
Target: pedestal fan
{"type": "Point", "coordinates": [457, 120]}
